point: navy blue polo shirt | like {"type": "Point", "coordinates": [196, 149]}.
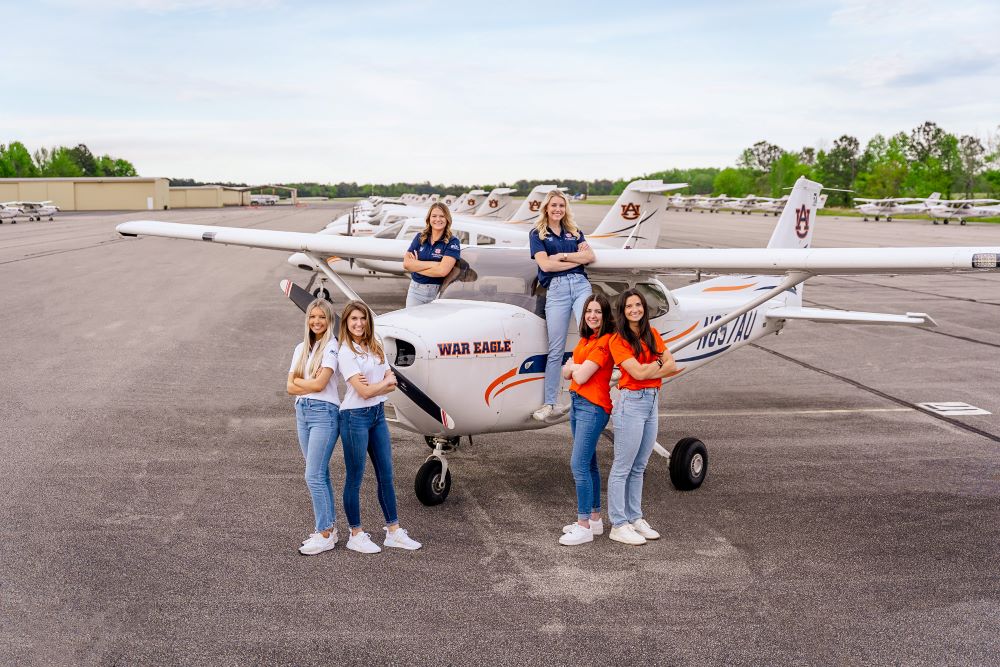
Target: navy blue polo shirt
{"type": "Point", "coordinates": [427, 252]}
{"type": "Point", "coordinates": [553, 246]}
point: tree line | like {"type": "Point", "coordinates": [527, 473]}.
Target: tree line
{"type": "Point", "coordinates": [16, 161]}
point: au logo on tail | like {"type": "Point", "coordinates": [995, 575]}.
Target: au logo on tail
{"type": "Point", "coordinates": [801, 221]}
{"type": "Point", "coordinates": [471, 202]}
{"type": "Point", "coordinates": [494, 203]}
{"type": "Point", "coordinates": [630, 211]}
{"type": "Point", "coordinates": [533, 206]}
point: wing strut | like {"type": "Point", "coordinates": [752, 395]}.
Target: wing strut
{"type": "Point", "coordinates": [334, 278]}
{"type": "Point", "coordinates": [791, 280]}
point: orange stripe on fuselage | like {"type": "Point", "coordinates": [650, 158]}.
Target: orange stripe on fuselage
{"type": "Point", "coordinates": [509, 374]}
{"type": "Point", "coordinates": [731, 288]}
{"type": "Point", "coordinates": [514, 384]}
{"type": "Point", "coordinates": [683, 333]}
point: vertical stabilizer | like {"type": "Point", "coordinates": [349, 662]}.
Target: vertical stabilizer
{"type": "Point", "coordinates": [634, 219]}
{"type": "Point", "coordinates": [498, 204]}
{"type": "Point", "coordinates": [468, 202]}
{"type": "Point", "coordinates": [795, 226]}
{"type": "Point", "coordinates": [531, 207]}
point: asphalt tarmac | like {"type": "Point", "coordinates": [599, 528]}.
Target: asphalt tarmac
{"type": "Point", "coordinates": [151, 492]}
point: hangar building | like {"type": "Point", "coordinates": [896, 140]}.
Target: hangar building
{"type": "Point", "coordinates": [90, 194]}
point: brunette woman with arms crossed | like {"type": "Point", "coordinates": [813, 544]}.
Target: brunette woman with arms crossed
{"type": "Point", "coordinates": [363, 428]}
{"type": "Point", "coordinates": [639, 351]}
{"type": "Point", "coordinates": [561, 251]}
{"type": "Point", "coordinates": [590, 406]}
{"type": "Point", "coordinates": [431, 256]}
{"type": "Point", "coordinates": [317, 407]}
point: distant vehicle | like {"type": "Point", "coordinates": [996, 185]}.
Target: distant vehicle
{"type": "Point", "coordinates": [579, 196]}
{"type": "Point", "coordinates": [962, 210]}
{"type": "Point", "coordinates": [891, 206]}
{"type": "Point", "coordinates": [9, 211]}
{"type": "Point", "coordinates": [36, 210]}
{"type": "Point", "coordinates": [264, 200]}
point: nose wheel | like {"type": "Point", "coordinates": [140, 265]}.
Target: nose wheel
{"type": "Point", "coordinates": [433, 481]}
{"type": "Point", "coordinates": [688, 463]}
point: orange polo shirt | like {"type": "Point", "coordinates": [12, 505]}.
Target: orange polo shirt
{"type": "Point", "coordinates": [621, 351]}
{"type": "Point", "coordinates": [597, 389]}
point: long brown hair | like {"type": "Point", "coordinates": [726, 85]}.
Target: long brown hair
{"type": "Point", "coordinates": [426, 234]}
{"type": "Point", "coordinates": [607, 319]}
{"type": "Point", "coordinates": [624, 328]}
{"type": "Point", "coordinates": [568, 225]}
{"type": "Point", "coordinates": [368, 339]}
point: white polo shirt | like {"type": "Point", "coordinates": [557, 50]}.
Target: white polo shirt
{"type": "Point", "coordinates": [352, 362]}
{"type": "Point", "coordinates": [329, 393]}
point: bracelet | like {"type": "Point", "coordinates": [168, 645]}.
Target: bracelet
{"type": "Point", "coordinates": [660, 362]}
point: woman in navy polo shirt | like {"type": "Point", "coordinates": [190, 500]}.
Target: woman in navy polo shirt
{"type": "Point", "coordinates": [560, 250]}
{"type": "Point", "coordinates": [431, 256]}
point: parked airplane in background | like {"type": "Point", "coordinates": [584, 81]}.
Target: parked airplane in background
{"type": "Point", "coordinates": [711, 204]}
{"type": "Point", "coordinates": [36, 210]}
{"type": "Point", "coordinates": [744, 205]}
{"type": "Point", "coordinates": [962, 210]}
{"type": "Point", "coordinates": [472, 361]}
{"type": "Point", "coordinates": [891, 206]}
{"type": "Point", "coordinates": [10, 211]}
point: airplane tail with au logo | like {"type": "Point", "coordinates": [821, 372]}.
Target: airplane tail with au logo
{"type": "Point", "coordinates": [531, 207]}
{"type": "Point", "coordinates": [634, 219]}
{"type": "Point", "coordinates": [468, 203]}
{"type": "Point", "coordinates": [795, 226]}
{"type": "Point", "coordinates": [498, 204]}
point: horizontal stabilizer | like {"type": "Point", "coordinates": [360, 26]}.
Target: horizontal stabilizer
{"type": "Point", "coordinates": [850, 317]}
{"type": "Point", "coordinates": [654, 186]}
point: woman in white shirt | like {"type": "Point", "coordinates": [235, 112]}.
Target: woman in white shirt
{"type": "Point", "coordinates": [362, 426]}
{"type": "Point", "coordinates": [317, 415]}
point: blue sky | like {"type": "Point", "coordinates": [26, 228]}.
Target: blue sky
{"type": "Point", "coordinates": [271, 90]}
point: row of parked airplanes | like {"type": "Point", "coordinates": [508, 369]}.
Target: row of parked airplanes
{"type": "Point", "coordinates": [32, 210]}
{"type": "Point", "coordinates": [937, 209]}
{"type": "Point", "coordinates": [471, 362]}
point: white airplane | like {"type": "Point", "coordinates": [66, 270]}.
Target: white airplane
{"type": "Point", "coordinates": [369, 218]}
{"type": "Point", "coordinates": [473, 360]}
{"type": "Point", "coordinates": [891, 206]}
{"type": "Point", "coordinates": [710, 204]}
{"type": "Point", "coordinates": [962, 210]}
{"type": "Point", "coordinates": [776, 206]}
{"type": "Point", "coordinates": [10, 211]}
{"type": "Point", "coordinates": [744, 205]}
{"type": "Point", "coordinates": [680, 202]}
{"type": "Point", "coordinates": [36, 210]}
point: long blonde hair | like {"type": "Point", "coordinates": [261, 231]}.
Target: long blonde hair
{"type": "Point", "coordinates": [426, 234]}
{"type": "Point", "coordinates": [368, 338]}
{"type": "Point", "coordinates": [309, 341]}
{"type": "Point", "coordinates": [542, 226]}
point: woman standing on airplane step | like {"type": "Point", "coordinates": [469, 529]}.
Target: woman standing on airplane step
{"type": "Point", "coordinates": [590, 406]}
{"type": "Point", "coordinates": [431, 256]}
{"type": "Point", "coordinates": [317, 416]}
{"type": "Point", "coordinates": [644, 360]}
{"type": "Point", "coordinates": [363, 428]}
{"type": "Point", "coordinates": [561, 251]}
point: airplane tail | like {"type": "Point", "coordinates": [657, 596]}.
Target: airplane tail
{"type": "Point", "coordinates": [531, 207]}
{"type": "Point", "coordinates": [822, 201]}
{"type": "Point", "coordinates": [795, 226]}
{"type": "Point", "coordinates": [498, 204]}
{"type": "Point", "coordinates": [634, 219]}
{"type": "Point", "coordinates": [935, 197]}
{"type": "Point", "coordinates": [468, 202]}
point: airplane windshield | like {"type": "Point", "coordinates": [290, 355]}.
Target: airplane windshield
{"type": "Point", "coordinates": [495, 276]}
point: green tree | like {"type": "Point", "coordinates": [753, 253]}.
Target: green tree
{"type": "Point", "coordinates": [838, 167]}
{"type": "Point", "coordinates": [16, 161]}
{"type": "Point", "coordinates": [84, 159]}
{"type": "Point", "coordinates": [733, 182]}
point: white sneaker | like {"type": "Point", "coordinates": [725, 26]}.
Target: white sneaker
{"type": "Point", "coordinates": [577, 535]}
{"type": "Point", "coordinates": [560, 410]}
{"type": "Point", "coordinates": [400, 539]}
{"type": "Point", "coordinates": [543, 413]}
{"type": "Point", "coordinates": [626, 535]}
{"type": "Point", "coordinates": [596, 527]}
{"type": "Point", "coordinates": [311, 535]}
{"type": "Point", "coordinates": [317, 544]}
{"type": "Point", "coordinates": [642, 527]}
{"type": "Point", "coordinates": [362, 543]}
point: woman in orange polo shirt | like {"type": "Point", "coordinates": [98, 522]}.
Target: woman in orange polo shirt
{"type": "Point", "coordinates": [644, 360]}
{"type": "Point", "coordinates": [590, 406]}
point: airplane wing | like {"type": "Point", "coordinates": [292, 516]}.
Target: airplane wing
{"type": "Point", "coordinates": [773, 261]}
{"type": "Point", "coordinates": [848, 316]}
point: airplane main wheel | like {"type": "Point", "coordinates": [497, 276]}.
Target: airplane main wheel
{"type": "Point", "coordinates": [322, 293]}
{"type": "Point", "coordinates": [429, 487]}
{"type": "Point", "coordinates": [448, 445]}
{"type": "Point", "coordinates": [688, 464]}
{"type": "Point", "coordinates": [962, 222]}
{"type": "Point", "coordinates": [888, 219]}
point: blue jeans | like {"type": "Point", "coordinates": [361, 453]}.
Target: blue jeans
{"type": "Point", "coordinates": [421, 293]}
{"type": "Point", "coordinates": [565, 296]}
{"type": "Point", "coordinates": [361, 430]}
{"type": "Point", "coordinates": [636, 420]}
{"type": "Point", "coordinates": [318, 423]}
{"type": "Point", "coordinates": [587, 421]}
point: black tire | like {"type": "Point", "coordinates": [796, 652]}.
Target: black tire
{"type": "Point", "coordinates": [448, 446]}
{"type": "Point", "coordinates": [888, 219]}
{"type": "Point", "coordinates": [688, 464]}
{"type": "Point", "coordinates": [322, 293]}
{"type": "Point", "coordinates": [962, 222]}
{"type": "Point", "coordinates": [428, 477]}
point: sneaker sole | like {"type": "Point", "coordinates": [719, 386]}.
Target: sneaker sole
{"type": "Point", "coordinates": [364, 552]}
{"type": "Point", "coordinates": [568, 528]}
{"type": "Point", "coordinates": [321, 550]}
{"type": "Point", "coordinates": [576, 544]}
{"type": "Point", "coordinates": [400, 546]}
{"type": "Point", "coordinates": [631, 544]}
